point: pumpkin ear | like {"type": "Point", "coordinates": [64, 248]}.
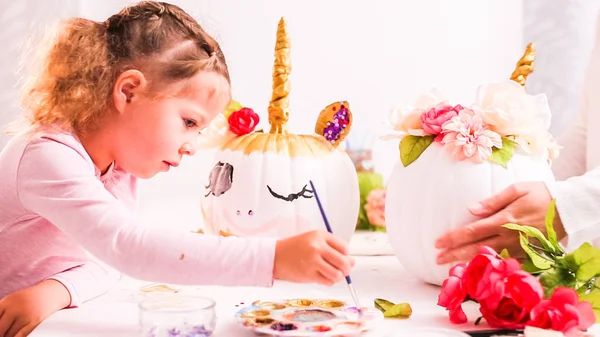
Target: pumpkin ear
{"type": "Point", "coordinates": [334, 122]}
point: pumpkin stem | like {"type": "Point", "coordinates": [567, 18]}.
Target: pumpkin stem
{"type": "Point", "coordinates": [279, 108]}
{"type": "Point", "coordinates": [525, 66]}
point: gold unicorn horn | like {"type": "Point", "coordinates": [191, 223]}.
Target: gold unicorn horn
{"type": "Point", "coordinates": [279, 108]}
{"type": "Point", "coordinates": [525, 66]}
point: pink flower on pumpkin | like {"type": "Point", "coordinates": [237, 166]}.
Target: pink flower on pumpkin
{"type": "Point", "coordinates": [467, 137]}
{"type": "Point", "coordinates": [375, 207]}
{"type": "Point", "coordinates": [433, 119]}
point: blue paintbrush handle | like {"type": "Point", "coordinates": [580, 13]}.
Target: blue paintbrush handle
{"type": "Point", "coordinates": [312, 186]}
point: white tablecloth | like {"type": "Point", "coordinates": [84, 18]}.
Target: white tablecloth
{"type": "Point", "coordinates": [116, 313]}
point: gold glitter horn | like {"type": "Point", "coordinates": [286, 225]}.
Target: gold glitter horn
{"type": "Point", "coordinates": [279, 108]}
{"type": "Point", "coordinates": [525, 66]}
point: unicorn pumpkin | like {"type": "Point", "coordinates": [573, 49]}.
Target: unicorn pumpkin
{"type": "Point", "coordinates": [259, 185]}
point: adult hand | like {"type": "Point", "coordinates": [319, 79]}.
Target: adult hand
{"type": "Point", "coordinates": [522, 203]}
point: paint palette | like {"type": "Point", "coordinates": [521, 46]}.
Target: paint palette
{"type": "Point", "coordinates": [307, 317]}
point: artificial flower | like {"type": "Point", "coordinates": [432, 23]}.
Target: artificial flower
{"type": "Point", "coordinates": [563, 312]}
{"type": "Point", "coordinates": [433, 119]}
{"type": "Point", "coordinates": [467, 137]}
{"type": "Point", "coordinates": [375, 207]}
{"type": "Point", "coordinates": [510, 111]}
{"type": "Point", "coordinates": [243, 121]}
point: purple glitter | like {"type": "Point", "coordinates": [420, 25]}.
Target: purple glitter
{"type": "Point", "coordinates": [193, 331]}
{"type": "Point", "coordinates": [174, 332]}
{"type": "Point", "coordinates": [336, 128]}
{"type": "Point", "coordinates": [284, 326]}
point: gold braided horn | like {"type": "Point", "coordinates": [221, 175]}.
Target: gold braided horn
{"type": "Point", "coordinates": [279, 108]}
{"type": "Point", "coordinates": [525, 66]}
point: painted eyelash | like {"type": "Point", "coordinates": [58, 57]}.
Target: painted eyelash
{"type": "Point", "coordinates": [304, 193]}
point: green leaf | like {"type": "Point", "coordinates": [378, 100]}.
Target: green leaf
{"type": "Point", "coordinates": [533, 232]}
{"type": "Point", "coordinates": [400, 310]}
{"type": "Point", "coordinates": [536, 259]}
{"type": "Point", "coordinates": [504, 254]}
{"type": "Point", "coordinates": [233, 106]}
{"type": "Point", "coordinates": [550, 214]}
{"type": "Point", "coordinates": [502, 156]}
{"type": "Point", "coordinates": [554, 278]}
{"type": "Point", "coordinates": [391, 310]}
{"type": "Point", "coordinates": [529, 267]}
{"type": "Point", "coordinates": [594, 298]}
{"type": "Point", "coordinates": [382, 304]}
{"type": "Point", "coordinates": [411, 147]}
{"type": "Point", "coordinates": [587, 260]}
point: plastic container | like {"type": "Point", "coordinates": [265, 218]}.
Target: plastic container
{"type": "Point", "coordinates": [177, 315]}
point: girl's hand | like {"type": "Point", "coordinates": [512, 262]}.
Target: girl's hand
{"type": "Point", "coordinates": [316, 256]}
{"type": "Point", "coordinates": [23, 310]}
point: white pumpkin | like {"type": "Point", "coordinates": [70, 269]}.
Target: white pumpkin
{"type": "Point", "coordinates": [430, 197]}
{"type": "Point", "coordinates": [259, 185]}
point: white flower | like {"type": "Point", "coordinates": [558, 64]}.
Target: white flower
{"type": "Point", "coordinates": [510, 111]}
{"type": "Point", "coordinates": [216, 134]}
{"type": "Point", "coordinates": [406, 120]}
{"type": "Point", "coordinates": [539, 144]}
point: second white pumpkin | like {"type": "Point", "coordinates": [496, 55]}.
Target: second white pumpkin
{"type": "Point", "coordinates": [431, 196]}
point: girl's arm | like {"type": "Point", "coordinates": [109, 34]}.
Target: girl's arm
{"type": "Point", "coordinates": [87, 281]}
{"type": "Point", "coordinates": [58, 183]}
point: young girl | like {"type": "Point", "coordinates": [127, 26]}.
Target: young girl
{"type": "Point", "coordinates": [115, 101]}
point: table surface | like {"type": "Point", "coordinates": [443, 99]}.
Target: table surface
{"type": "Point", "coordinates": [116, 313]}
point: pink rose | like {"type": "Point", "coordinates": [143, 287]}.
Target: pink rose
{"type": "Point", "coordinates": [478, 267]}
{"type": "Point", "coordinates": [375, 207]}
{"type": "Point", "coordinates": [453, 294]}
{"type": "Point", "coordinates": [506, 293]}
{"type": "Point", "coordinates": [563, 312]}
{"type": "Point", "coordinates": [508, 314]}
{"type": "Point", "coordinates": [525, 289]}
{"type": "Point", "coordinates": [433, 119]}
{"type": "Point", "coordinates": [492, 287]}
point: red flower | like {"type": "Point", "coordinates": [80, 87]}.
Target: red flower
{"type": "Point", "coordinates": [525, 289]}
{"type": "Point", "coordinates": [243, 121]}
{"type": "Point", "coordinates": [508, 314]}
{"type": "Point", "coordinates": [453, 294]}
{"type": "Point", "coordinates": [563, 312]}
{"type": "Point", "coordinates": [492, 285]}
{"type": "Point", "coordinates": [510, 307]}
{"type": "Point", "coordinates": [485, 274]}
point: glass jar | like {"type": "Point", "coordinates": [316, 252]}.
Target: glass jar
{"type": "Point", "coordinates": [177, 315]}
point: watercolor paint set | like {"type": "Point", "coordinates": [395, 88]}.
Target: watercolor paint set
{"type": "Point", "coordinates": [307, 317]}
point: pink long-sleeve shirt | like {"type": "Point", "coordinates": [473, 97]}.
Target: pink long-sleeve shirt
{"type": "Point", "coordinates": [61, 219]}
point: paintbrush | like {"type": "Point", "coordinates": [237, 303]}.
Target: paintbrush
{"type": "Point", "coordinates": [348, 279]}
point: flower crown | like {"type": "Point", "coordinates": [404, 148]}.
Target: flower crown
{"type": "Point", "coordinates": [235, 121]}
{"type": "Point", "coordinates": [504, 118]}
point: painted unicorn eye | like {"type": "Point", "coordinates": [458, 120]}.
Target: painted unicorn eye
{"type": "Point", "coordinates": [250, 213]}
{"type": "Point", "coordinates": [220, 179]}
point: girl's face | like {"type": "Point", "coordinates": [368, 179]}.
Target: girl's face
{"type": "Point", "coordinates": [155, 133]}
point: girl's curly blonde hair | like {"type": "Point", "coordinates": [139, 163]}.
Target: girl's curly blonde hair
{"type": "Point", "coordinates": [72, 87]}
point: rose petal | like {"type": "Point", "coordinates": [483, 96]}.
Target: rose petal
{"type": "Point", "coordinates": [564, 295]}
{"type": "Point", "coordinates": [587, 317]}
{"type": "Point", "coordinates": [457, 316]}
